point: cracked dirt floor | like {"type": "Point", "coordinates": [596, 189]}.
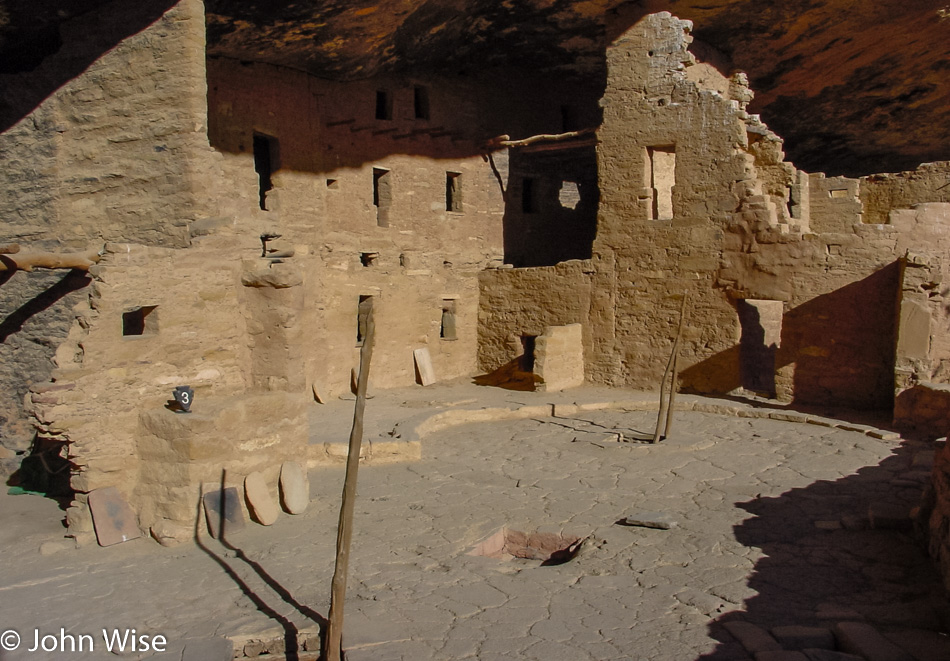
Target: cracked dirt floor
{"type": "Point", "coordinates": [772, 529]}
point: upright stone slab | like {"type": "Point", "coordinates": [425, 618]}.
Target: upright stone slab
{"type": "Point", "coordinates": [559, 357]}
{"type": "Point", "coordinates": [112, 517]}
{"type": "Point", "coordinates": [261, 503]}
{"type": "Point", "coordinates": [294, 487]}
{"type": "Point", "coordinates": [223, 512]}
{"type": "Point", "coordinates": [424, 366]}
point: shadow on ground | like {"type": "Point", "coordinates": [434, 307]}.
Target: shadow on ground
{"type": "Point", "coordinates": [839, 551]}
{"type": "Point", "coordinates": [232, 560]}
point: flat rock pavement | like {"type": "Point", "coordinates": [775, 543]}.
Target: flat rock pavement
{"type": "Point", "coordinates": [773, 529]}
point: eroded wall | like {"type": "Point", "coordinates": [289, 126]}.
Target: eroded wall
{"type": "Point", "coordinates": [696, 198]}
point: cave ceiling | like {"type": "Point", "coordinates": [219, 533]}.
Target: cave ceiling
{"type": "Point", "coordinates": [854, 86]}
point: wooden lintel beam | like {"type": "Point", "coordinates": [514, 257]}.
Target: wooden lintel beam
{"type": "Point", "coordinates": [27, 261]}
{"type": "Point", "coordinates": [560, 146]}
{"type": "Point", "coordinates": [503, 141]}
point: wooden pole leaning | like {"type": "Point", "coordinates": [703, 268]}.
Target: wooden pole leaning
{"type": "Point", "coordinates": [664, 418]}
{"type": "Point", "coordinates": [333, 636]}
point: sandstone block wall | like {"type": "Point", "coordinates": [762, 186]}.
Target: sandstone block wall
{"type": "Point", "coordinates": [364, 202]}
{"type": "Point", "coordinates": [515, 303]}
{"type": "Point", "coordinates": [100, 142]}
{"type": "Point", "coordinates": [696, 197]}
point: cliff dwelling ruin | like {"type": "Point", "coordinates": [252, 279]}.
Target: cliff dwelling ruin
{"type": "Point", "coordinates": [204, 203]}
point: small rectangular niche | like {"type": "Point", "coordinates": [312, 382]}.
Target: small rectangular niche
{"type": "Point", "coordinates": [384, 105]}
{"type": "Point", "coordinates": [140, 321]}
{"type": "Point", "coordinates": [333, 184]}
{"type": "Point", "coordinates": [447, 330]}
{"type": "Point", "coordinates": [453, 191]}
{"type": "Point", "coordinates": [529, 194]}
{"type": "Point", "coordinates": [420, 102]}
{"type": "Point", "coordinates": [362, 318]}
{"type": "Point", "coordinates": [838, 193]}
{"type": "Point", "coordinates": [382, 195]}
{"type": "Point", "coordinates": [369, 258]}
{"type": "Point", "coordinates": [266, 162]}
{"type": "Point", "coordinates": [661, 177]}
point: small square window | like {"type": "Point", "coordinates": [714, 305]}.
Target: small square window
{"type": "Point", "coordinates": [333, 184]}
{"type": "Point", "coordinates": [140, 321]}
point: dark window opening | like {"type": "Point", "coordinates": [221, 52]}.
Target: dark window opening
{"type": "Point", "coordinates": [384, 105]}
{"type": "Point", "coordinates": [362, 318]}
{"type": "Point", "coordinates": [266, 157]}
{"type": "Point", "coordinates": [140, 321]}
{"type": "Point", "coordinates": [420, 98]}
{"type": "Point", "coordinates": [382, 195]}
{"type": "Point", "coordinates": [453, 191]}
{"type": "Point", "coordinates": [447, 330]}
{"type": "Point", "coordinates": [369, 258]}
{"type": "Point", "coordinates": [333, 184]}
{"type": "Point", "coordinates": [527, 356]}
{"type": "Point", "coordinates": [569, 118]}
{"type": "Point", "coordinates": [528, 194]}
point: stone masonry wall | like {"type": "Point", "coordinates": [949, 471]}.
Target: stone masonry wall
{"type": "Point", "coordinates": [696, 197]}
{"type": "Point", "coordinates": [412, 254]}
{"type": "Point", "coordinates": [109, 153]}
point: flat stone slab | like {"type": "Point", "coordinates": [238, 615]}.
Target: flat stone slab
{"type": "Point", "coordinates": [783, 655]}
{"type": "Point", "coordinates": [802, 638]}
{"type": "Point", "coordinates": [112, 517]}
{"type": "Point", "coordinates": [922, 644]}
{"type": "Point", "coordinates": [754, 639]}
{"type": "Point", "coordinates": [830, 655]}
{"type": "Point", "coordinates": [651, 520]}
{"type": "Point", "coordinates": [196, 649]}
{"type": "Point", "coordinates": [263, 507]}
{"type": "Point", "coordinates": [223, 511]}
{"type": "Point", "coordinates": [889, 516]}
{"type": "Point", "coordinates": [424, 366]}
{"type": "Point", "coordinates": [865, 641]}
{"type": "Point", "coordinates": [294, 487]}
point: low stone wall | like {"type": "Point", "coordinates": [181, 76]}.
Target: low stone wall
{"type": "Point", "coordinates": [935, 514]}
{"type": "Point", "coordinates": [924, 409]}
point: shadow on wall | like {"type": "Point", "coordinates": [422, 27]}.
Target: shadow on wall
{"type": "Point", "coordinates": [13, 322]}
{"type": "Point", "coordinates": [842, 345]}
{"type": "Point", "coordinates": [47, 58]}
{"type": "Point", "coordinates": [551, 205]}
{"type": "Point", "coordinates": [820, 562]}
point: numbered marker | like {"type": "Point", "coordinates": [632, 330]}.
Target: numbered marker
{"type": "Point", "coordinates": [184, 395]}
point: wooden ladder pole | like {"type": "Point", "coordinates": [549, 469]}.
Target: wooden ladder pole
{"type": "Point", "coordinates": [333, 637]}
{"type": "Point", "coordinates": [665, 414]}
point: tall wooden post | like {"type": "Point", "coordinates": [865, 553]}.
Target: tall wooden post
{"type": "Point", "coordinates": [333, 638]}
{"type": "Point", "coordinates": [664, 418]}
